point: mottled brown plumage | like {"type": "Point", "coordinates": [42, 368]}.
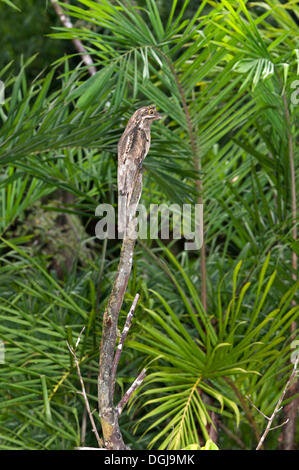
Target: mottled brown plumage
{"type": "Point", "coordinates": [133, 147]}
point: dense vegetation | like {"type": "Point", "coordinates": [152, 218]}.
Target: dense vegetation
{"type": "Point", "coordinates": [215, 327]}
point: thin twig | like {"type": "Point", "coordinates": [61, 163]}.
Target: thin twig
{"type": "Point", "coordinates": [123, 338]}
{"type": "Point", "coordinates": [99, 440]}
{"type": "Point", "coordinates": [79, 337]}
{"type": "Point", "coordinates": [84, 416]}
{"type": "Point", "coordinates": [109, 419]}
{"type": "Point", "coordinates": [137, 382]}
{"type": "Point", "coordinates": [279, 425]}
{"type": "Point", "coordinates": [277, 407]}
{"type": "Point", "coordinates": [65, 20]}
{"type": "Point", "coordinates": [196, 163]}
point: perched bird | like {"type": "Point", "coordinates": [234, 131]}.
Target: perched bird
{"type": "Point", "coordinates": [133, 147]}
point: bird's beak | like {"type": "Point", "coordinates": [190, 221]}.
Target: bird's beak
{"type": "Point", "coordinates": [158, 115]}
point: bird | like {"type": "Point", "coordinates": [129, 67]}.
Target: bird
{"type": "Point", "coordinates": [133, 147]}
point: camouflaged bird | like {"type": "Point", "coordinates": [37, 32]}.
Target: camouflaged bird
{"type": "Point", "coordinates": [133, 147]}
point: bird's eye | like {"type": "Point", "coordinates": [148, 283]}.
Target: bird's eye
{"type": "Point", "coordinates": [151, 111]}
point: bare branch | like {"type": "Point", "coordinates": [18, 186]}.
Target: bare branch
{"type": "Point", "coordinates": [99, 440]}
{"type": "Point", "coordinates": [279, 425]}
{"type": "Point", "coordinates": [123, 338]}
{"type": "Point", "coordinates": [65, 20]}
{"type": "Point", "coordinates": [109, 419]}
{"type": "Point", "coordinates": [84, 416]}
{"type": "Point", "coordinates": [137, 382]}
{"type": "Point", "coordinates": [79, 337]}
{"type": "Point", "coordinates": [252, 404]}
{"type": "Point", "coordinates": [278, 407]}
{"type": "Point", "coordinates": [130, 186]}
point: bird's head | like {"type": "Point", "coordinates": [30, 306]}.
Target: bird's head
{"type": "Point", "coordinates": [147, 113]}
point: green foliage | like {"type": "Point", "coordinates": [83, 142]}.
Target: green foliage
{"type": "Point", "coordinates": [239, 340]}
{"type": "Point", "coordinates": [39, 406]}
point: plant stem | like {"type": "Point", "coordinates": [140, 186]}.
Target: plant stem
{"type": "Point", "coordinates": [245, 408]}
{"type": "Point", "coordinates": [196, 161]}
{"type": "Point", "coordinates": [123, 338]}
{"type": "Point", "coordinates": [84, 394]}
{"type": "Point", "coordinates": [112, 436]}
{"type": "Point", "coordinates": [289, 431]}
{"type": "Point", "coordinates": [130, 391]}
{"type": "Point", "coordinates": [231, 435]}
